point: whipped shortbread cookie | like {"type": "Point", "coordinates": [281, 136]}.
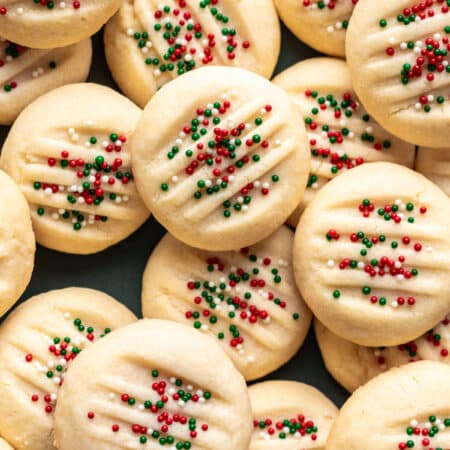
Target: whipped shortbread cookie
{"type": "Point", "coordinates": [221, 158]}
{"type": "Point", "coordinates": [322, 24]}
{"type": "Point", "coordinates": [398, 56]}
{"type": "Point", "coordinates": [341, 134]}
{"type": "Point", "coordinates": [407, 407]}
{"type": "Point", "coordinates": [372, 255]}
{"type": "Point", "coordinates": [247, 299]}
{"type": "Point", "coordinates": [69, 152]}
{"type": "Point", "coordinates": [53, 23]}
{"type": "Point", "coordinates": [434, 163]}
{"type": "Point", "coordinates": [17, 243]}
{"type": "Point", "coordinates": [151, 384]}
{"type": "Point", "coordinates": [148, 44]}
{"type": "Point", "coordinates": [26, 74]}
{"type": "Point", "coordinates": [353, 365]}
{"type": "Point", "coordinates": [38, 343]}
{"type": "Point", "coordinates": [289, 415]}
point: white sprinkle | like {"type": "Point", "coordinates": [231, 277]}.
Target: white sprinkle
{"type": "Point", "coordinates": [330, 263]}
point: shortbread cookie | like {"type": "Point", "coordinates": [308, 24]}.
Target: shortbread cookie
{"type": "Point", "coordinates": [341, 133]}
{"type": "Point", "coordinates": [372, 255]}
{"type": "Point", "coordinates": [17, 244]}
{"type": "Point", "coordinates": [397, 52]}
{"type": "Point", "coordinates": [401, 409]}
{"type": "Point", "coordinates": [52, 24]}
{"type": "Point", "coordinates": [221, 158]}
{"type": "Point", "coordinates": [148, 43]}
{"type": "Point", "coordinates": [4, 445]}
{"type": "Point", "coordinates": [434, 163]}
{"type": "Point", "coordinates": [247, 299]}
{"type": "Point", "coordinates": [353, 365]}
{"type": "Point", "coordinates": [25, 74]}
{"type": "Point", "coordinates": [153, 383]}
{"type": "Point", "coordinates": [38, 343]}
{"type": "Point", "coordinates": [69, 153]}
{"type": "Point", "coordinates": [289, 415]}
{"type": "Point", "coordinates": [322, 24]}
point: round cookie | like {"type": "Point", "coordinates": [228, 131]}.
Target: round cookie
{"type": "Point", "coordinates": [52, 24]}
{"type": "Point", "coordinates": [353, 365]}
{"type": "Point", "coordinates": [38, 343]}
{"type": "Point", "coordinates": [434, 163]}
{"type": "Point", "coordinates": [341, 133]}
{"type": "Point", "coordinates": [372, 255]}
{"type": "Point", "coordinates": [4, 445]}
{"type": "Point", "coordinates": [397, 52]}
{"type": "Point", "coordinates": [246, 299]}
{"type": "Point", "coordinates": [69, 153]}
{"type": "Point", "coordinates": [148, 44]}
{"type": "Point", "coordinates": [229, 161]}
{"type": "Point", "coordinates": [17, 244]}
{"type": "Point", "coordinates": [321, 24]}
{"type": "Point", "coordinates": [25, 74]}
{"type": "Point", "coordinates": [404, 408]}
{"type": "Point", "coordinates": [289, 415]}
{"type": "Point", "coordinates": [155, 383]}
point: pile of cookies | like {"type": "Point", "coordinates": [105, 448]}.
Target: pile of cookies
{"type": "Point", "coordinates": [320, 196]}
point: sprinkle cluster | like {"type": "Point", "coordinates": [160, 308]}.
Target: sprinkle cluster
{"type": "Point", "coordinates": [232, 293]}
{"type": "Point", "coordinates": [420, 435]}
{"type": "Point", "coordinates": [96, 177]}
{"type": "Point", "coordinates": [426, 59]}
{"type": "Point", "coordinates": [166, 396]}
{"type": "Point", "coordinates": [61, 352]}
{"type": "Point", "coordinates": [214, 143]}
{"type": "Point", "coordinates": [48, 4]}
{"type": "Point", "coordinates": [297, 427]}
{"type": "Point", "coordinates": [330, 5]}
{"type": "Point", "coordinates": [337, 133]}
{"type": "Point", "coordinates": [188, 43]}
{"type": "Point", "coordinates": [387, 265]}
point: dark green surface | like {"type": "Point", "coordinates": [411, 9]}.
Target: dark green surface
{"type": "Point", "coordinates": [118, 270]}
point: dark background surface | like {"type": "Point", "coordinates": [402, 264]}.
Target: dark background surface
{"type": "Point", "coordinates": [118, 270]}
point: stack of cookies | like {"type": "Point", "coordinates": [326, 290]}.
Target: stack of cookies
{"type": "Point", "coordinates": [316, 196]}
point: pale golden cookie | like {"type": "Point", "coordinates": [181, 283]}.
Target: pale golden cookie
{"type": "Point", "coordinates": [321, 24]}
{"type": "Point", "coordinates": [372, 255]}
{"type": "Point", "coordinates": [17, 244]}
{"type": "Point", "coordinates": [70, 155]}
{"type": "Point", "coordinates": [353, 365]}
{"type": "Point", "coordinates": [38, 342]}
{"type": "Point", "coordinates": [398, 54]}
{"type": "Point", "coordinates": [150, 384]}
{"type": "Point", "coordinates": [288, 415]}
{"type": "Point", "coordinates": [407, 407]}
{"type": "Point", "coordinates": [221, 158]}
{"type": "Point", "coordinates": [434, 163]}
{"type": "Point", "coordinates": [148, 43]}
{"type": "Point", "coordinates": [53, 23]}
{"type": "Point", "coordinates": [246, 299]}
{"type": "Point", "coordinates": [341, 133]}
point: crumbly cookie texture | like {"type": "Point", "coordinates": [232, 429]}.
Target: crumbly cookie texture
{"type": "Point", "coordinates": [321, 24]}
{"type": "Point", "coordinates": [230, 162]}
{"type": "Point", "coordinates": [17, 243]}
{"type": "Point", "coordinates": [26, 74]}
{"type": "Point", "coordinates": [341, 134]}
{"type": "Point", "coordinates": [154, 383]}
{"type": "Point", "coordinates": [149, 44]}
{"type": "Point", "coordinates": [434, 163]}
{"type": "Point", "coordinates": [404, 408]}
{"type": "Point", "coordinates": [39, 342]}
{"type": "Point", "coordinates": [69, 153]}
{"type": "Point", "coordinates": [397, 52]}
{"type": "Point", "coordinates": [48, 24]}
{"type": "Point", "coordinates": [290, 415]}
{"type": "Point", "coordinates": [371, 255]}
{"type": "Point", "coordinates": [353, 365]}
{"type": "Point", "coordinates": [246, 299]}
